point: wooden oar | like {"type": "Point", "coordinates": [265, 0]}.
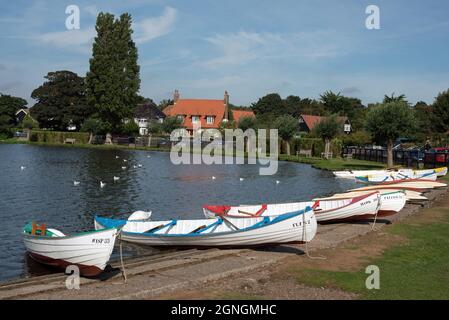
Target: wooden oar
{"type": "Point", "coordinates": [226, 220]}
{"type": "Point", "coordinates": [247, 213]}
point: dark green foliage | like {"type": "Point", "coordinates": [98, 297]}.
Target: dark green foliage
{"type": "Point", "coordinates": [130, 128]}
{"type": "Point", "coordinates": [113, 80]}
{"type": "Point", "coordinates": [390, 121]}
{"type": "Point", "coordinates": [335, 103]}
{"type": "Point", "coordinates": [328, 128]}
{"type": "Point", "coordinates": [8, 107]}
{"type": "Point", "coordinates": [165, 103]}
{"type": "Point", "coordinates": [170, 124]}
{"type": "Point", "coordinates": [95, 126]}
{"type": "Point", "coordinates": [29, 123]}
{"type": "Point", "coordinates": [155, 127]}
{"type": "Point", "coordinates": [245, 123]}
{"type": "Point", "coordinates": [359, 138]}
{"type": "Point", "coordinates": [392, 98]}
{"type": "Point", "coordinates": [440, 116]}
{"type": "Point", "coordinates": [271, 103]}
{"type": "Point", "coordinates": [287, 126]}
{"type": "Point", "coordinates": [60, 101]}
{"type": "Point", "coordinates": [58, 136]}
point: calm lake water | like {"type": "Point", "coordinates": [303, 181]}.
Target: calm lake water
{"type": "Point", "coordinates": [44, 191]}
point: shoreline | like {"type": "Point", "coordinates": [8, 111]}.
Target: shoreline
{"type": "Point", "coordinates": [317, 163]}
{"type": "Point", "coordinates": [168, 274]}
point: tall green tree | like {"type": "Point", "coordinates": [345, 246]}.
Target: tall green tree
{"type": "Point", "coordinates": [440, 115]}
{"type": "Point", "coordinates": [287, 127]}
{"type": "Point", "coordinates": [9, 105]}
{"type": "Point", "coordinates": [113, 79]}
{"type": "Point", "coordinates": [335, 103]}
{"type": "Point", "coordinates": [246, 123]}
{"type": "Point", "coordinates": [423, 114]}
{"type": "Point", "coordinates": [387, 122]}
{"type": "Point", "coordinates": [327, 129]}
{"type": "Point", "coordinates": [270, 104]}
{"type": "Point", "coordinates": [61, 101]}
{"type": "Point", "coordinates": [392, 98]}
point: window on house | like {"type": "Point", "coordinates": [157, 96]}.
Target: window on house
{"type": "Point", "coordinates": [195, 119]}
{"type": "Point", "coordinates": [210, 120]}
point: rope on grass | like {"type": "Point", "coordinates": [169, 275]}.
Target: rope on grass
{"type": "Point", "coordinates": [304, 237]}
{"type": "Point", "coordinates": [121, 257]}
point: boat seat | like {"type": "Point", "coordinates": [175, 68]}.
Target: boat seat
{"type": "Point", "coordinates": [37, 229]}
{"type": "Point", "coordinates": [54, 233]}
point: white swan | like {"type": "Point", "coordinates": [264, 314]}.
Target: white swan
{"type": "Point", "coordinates": [102, 184]}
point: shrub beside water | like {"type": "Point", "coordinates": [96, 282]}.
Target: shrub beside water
{"type": "Point", "coordinates": [58, 136]}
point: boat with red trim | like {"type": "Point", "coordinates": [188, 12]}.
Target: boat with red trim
{"type": "Point", "coordinates": [328, 210]}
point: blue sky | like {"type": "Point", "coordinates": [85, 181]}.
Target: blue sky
{"type": "Point", "coordinates": [250, 48]}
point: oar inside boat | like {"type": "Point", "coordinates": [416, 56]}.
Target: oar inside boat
{"type": "Point", "coordinates": [162, 226]}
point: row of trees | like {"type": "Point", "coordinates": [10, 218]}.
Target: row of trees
{"type": "Point", "coordinates": [101, 101]}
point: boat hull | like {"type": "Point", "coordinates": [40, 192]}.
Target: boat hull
{"type": "Point", "coordinates": [328, 210]}
{"type": "Point", "coordinates": [89, 251]}
{"type": "Point", "coordinates": [390, 202]}
{"type": "Point", "coordinates": [289, 228]}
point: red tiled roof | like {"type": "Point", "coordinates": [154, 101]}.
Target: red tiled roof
{"type": "Point", "coordinates": [197, 107]}
{"type": "Point", "coordinates": [312, 121]}
{"type": "Point", "coordinates": [238, 114]}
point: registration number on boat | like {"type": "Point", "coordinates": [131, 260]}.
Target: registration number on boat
{"type": "Point", "coordinates": [105, 240]}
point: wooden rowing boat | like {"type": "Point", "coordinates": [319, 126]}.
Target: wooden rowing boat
{"type": "Point", "coordinates": [361, 207]}
{"type": "Point", "coordinates": [89, 251]}
{"type": "Point", "coordinates": [390, 202]}
{"type": "Point", "coordinates": [294, 227]}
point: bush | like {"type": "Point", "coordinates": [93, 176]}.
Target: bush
{"type": "Point", "coordinates": [58, 136]}
{"type": "Point", "coordinates": [358, 138]}
{"type": "Point", "coordinates": [130, 129]}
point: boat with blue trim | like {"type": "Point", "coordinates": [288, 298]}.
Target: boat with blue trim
{"type": "Point", "coordinates": [294, 227]}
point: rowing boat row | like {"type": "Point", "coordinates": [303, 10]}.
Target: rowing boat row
{"type": "Point", "coordinates": [379, 176]}
{"type": "Point", "coordinates": [224, 225]}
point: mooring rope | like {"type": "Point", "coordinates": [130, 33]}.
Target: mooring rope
{"type": "Point", "coordinates": [304, 236]}
{"type": "Point", "coordinates": [375, 216]}
{"type": "Point", "coordinates": [121, 257]}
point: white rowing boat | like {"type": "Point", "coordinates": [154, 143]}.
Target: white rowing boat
{"type": "Point", "coordinates": [295, 227]}
{"type": "Point", "coordinates": [409, 194]}
{"type": "Point", "coordinates": [351, 174]}
{"type": "Point", "coordinates": [89, 251]}
{"type": "Point", "coordinates": [390, 202]}
{"type": "Point", "coordinates": [396, 177]}
{"type": "Point", "coordinates": [414, 185]}
{"type": "Point", "coordinates": [365, 206]}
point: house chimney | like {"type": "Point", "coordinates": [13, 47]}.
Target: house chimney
{"type": "Point", "coordinates": [226, 103]}
{"type": "Point", "coordinates": [176, 96]}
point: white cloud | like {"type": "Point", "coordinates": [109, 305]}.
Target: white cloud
{"type": "Point", "coordinates": [79, 40]}
{"type": "Point", "coordinates": [242, 47]}
{"type": "Point", "coordinates": [152, 28]}
{"type": "Point", "coordinates": [92, 10]}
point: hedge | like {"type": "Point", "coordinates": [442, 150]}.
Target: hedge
{"type": "Point", "coordinates": [58, 136]}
